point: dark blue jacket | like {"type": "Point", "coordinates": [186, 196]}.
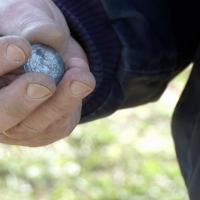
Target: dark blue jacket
{"type": "Point", "coordinates": [135, 47]}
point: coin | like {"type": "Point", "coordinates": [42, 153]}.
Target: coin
{"type": "Point", "coordinates": [46, 60]}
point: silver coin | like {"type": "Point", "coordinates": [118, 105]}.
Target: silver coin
{"type": "Point", "coordinates": [46, 60]}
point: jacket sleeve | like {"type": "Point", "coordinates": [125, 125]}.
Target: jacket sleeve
{"type": "Point", "coordinates": [130, 47]}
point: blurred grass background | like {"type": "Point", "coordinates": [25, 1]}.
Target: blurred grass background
{"type": "Point", "coordinates": [127, 156]}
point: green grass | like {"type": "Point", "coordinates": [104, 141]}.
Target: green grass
{"type": "Point", "coordinates": [127, 156]}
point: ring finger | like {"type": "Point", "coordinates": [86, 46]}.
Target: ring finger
{"type": "Point", "coordinates": [59, 130]}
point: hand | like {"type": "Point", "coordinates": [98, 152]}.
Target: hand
{"type": "Point", "coordinates": [33, 112]}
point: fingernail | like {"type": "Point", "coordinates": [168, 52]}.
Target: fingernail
{"type": "Point", "coordinates": [79, 89]}
{"type": "Point", "coordinates": [15, 54]}
{"type": "Point", "coordinates": [36, 91]}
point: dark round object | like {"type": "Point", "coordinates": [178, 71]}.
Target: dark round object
{"type": "Point", "coordinates": [46, 60]}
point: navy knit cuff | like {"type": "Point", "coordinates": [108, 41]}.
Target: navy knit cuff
{"type": "Point", "coordinates": [91, 27]}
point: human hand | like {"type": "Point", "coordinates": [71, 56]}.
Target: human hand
{"type": "Point", "coordinates": [32, 111]}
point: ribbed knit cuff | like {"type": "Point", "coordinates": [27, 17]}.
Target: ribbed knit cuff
{"type": "Point", "coordinates": [91, 27]}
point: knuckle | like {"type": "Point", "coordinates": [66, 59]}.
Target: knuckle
{"type": "Point", "coordinates": [20, 109]}
{"type": "Point", "coordinates": [22, 132]}
{"type": "Point", "coordinates": [32, 21]}
{"type": "Point", "coordinates": [12, 111]}
{"type": "Point", "coordinates": [56, 109]}
{"type": "Point", "coordinates": [25, 129]}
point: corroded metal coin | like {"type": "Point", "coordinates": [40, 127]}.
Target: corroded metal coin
{"type": "Point", "coordinates": [46, 60]}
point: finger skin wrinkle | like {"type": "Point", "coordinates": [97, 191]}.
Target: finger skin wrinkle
{"type": "Point", "coordinates": [24, 129]}
{"type": "Point", "coordinates": [11, 112]}
{"type": "Point", "coordinates": [8, 111]}
{"type": "Point", "coordinates": [56, 110]}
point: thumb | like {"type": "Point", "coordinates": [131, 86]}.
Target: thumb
{"type": "Point", "coordinates": [45, 32]}
{"type": "Point", "coordinates": [32, 22]}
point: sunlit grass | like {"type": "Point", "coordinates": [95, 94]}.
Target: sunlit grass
{"type": "Point", "coordinates": [127, 156]}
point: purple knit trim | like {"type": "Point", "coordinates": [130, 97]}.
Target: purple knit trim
{"type": "Point", "coordinates": [92, 28]}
